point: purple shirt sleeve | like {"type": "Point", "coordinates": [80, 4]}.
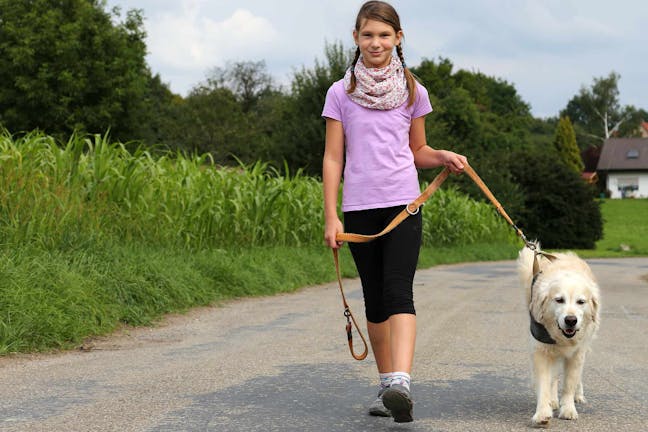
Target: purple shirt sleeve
{"type": "Point", "coordinates": [332, 105]}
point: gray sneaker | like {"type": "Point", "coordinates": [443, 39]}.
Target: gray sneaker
{"type": "Point", "coordinates": [377, 408]}
{"type": "Point", "coordinates": [398, 401]}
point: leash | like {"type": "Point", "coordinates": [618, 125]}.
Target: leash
{"type": "Point", "coordinates": [412, 209]}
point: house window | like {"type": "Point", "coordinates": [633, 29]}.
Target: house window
{"type": "Point", "coordinates": [627, 186]}
{"type": "Point", "coordinates": [632, 154]}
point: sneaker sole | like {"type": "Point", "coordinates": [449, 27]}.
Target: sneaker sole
{"type": "Point", "coordinates": [379, 413]}
{"type": "Point", "coordinates": [400, 406]}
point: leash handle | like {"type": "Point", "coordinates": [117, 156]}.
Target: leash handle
{"type": "Point", "coordinates": [411, 209]}
{"type": "Point", "coordinates": [351, 321]}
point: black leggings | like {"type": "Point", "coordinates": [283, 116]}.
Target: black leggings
{"type": "Point", "coordinates": [386, 265]}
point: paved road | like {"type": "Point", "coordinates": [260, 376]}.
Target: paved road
{"type": "Point", "coordinates": [281, 364]}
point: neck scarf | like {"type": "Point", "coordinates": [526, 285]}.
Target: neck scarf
{"type": "Point", "coordinates": [382, 88]}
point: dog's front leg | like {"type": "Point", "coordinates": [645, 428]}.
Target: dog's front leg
{"type": "Point", "coordinates": [554, 391]}
{"type": "Point", "coordinates": [542, 371]}
{"type": "Point", "coordinates": [580, 395]}
{"type": "Point", "coordinates": [573, 372]}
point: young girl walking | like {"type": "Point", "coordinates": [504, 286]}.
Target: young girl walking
{"type": "Point", "coordinates": [375, 133]}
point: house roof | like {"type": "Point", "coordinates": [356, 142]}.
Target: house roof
{"type": "Point", "coordinates": [624, 154]}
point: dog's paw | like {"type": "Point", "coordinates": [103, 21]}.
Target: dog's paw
{"type": "Point", "coordinates": [541, 419]}
{"type": "Point", "coordinates": [568, 412]}
{"type": "Point", "coordinates": [555, 404]}
{"type": "Point", "coordinates": [580, 399]}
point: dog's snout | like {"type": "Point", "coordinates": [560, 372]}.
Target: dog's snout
{"type": "Point", "coordinates": [571, 320]}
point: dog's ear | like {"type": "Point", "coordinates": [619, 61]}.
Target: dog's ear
{"type": "Point", "coordinates": [538, 306]}
{"type": "Point", "coordinates": [594, 304]}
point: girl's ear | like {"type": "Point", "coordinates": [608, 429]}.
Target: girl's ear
{"type": "Point", "coordinates": [399, 37]}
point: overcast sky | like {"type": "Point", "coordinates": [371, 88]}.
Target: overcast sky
{"type": "Point", "coordinates": [547, 49]}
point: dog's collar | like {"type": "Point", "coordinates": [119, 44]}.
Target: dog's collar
{"type": "Point", "coordinates": [538, 331]}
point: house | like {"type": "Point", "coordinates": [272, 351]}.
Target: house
{"type": "Point", "coordinates": [624, 165]}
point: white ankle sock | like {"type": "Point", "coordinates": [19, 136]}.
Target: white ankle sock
{"type": "Point", "coordinates": [402, 378]}
{"type": "Point", "coordinates": [385, 379]}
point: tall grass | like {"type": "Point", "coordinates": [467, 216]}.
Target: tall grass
{"type": "Point", "coordinates": [92, 190]}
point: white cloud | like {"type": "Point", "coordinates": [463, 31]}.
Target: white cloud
{"type": "Point", "coordinates": [192, 41]}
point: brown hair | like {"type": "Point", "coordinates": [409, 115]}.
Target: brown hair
{"type": "Point", "coordinates": [383, 12]}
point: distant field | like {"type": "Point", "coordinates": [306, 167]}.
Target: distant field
{"type": "Point", "coordinates": [625, 229]}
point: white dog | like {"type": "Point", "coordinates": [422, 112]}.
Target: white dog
{"type": "Point", "coordinates": [563, 300]}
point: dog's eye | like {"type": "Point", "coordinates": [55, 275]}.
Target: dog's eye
{"type": "Point", "coordinates": [560, 300]}
{"type": "Point", "coordinates": [581, 301]}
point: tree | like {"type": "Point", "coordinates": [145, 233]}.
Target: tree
{"type": "Point", "coordinates": [64, 65]}
{"type": "Point", "coordinates": [598, 112]}
{"type": "Point", "coordinates": [248, 81]}
{"type": "Point", "coordinates": [211, 120]}
{"type": "Point", "coordinates": [565, 145]}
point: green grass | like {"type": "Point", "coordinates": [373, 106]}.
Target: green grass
{"type": "Point", "coordinates": [625, 226]}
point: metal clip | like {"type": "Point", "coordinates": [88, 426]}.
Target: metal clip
{"type": "Point", "coordinates": [412, 213]}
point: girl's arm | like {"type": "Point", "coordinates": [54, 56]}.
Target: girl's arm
{"type": "Point", "coordinates": [331, 175]}
{"type": "Point", "coordinates": [427, 157]}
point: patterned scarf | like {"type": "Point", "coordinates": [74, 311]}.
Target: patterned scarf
{"type": "Point", "coordinates": [378, 88]}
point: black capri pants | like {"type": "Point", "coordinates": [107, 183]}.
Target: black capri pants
{"type": "Point", "coordinates": [387, 264]}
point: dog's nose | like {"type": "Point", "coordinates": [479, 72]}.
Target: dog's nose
{"type": "Point", "coordinates": [571, 320]}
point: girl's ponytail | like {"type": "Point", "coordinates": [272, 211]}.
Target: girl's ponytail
{"type": "Point", "coordinates": [352, 86]}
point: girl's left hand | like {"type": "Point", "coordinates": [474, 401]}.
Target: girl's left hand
{"type": "Point", "coordinates": [454, 161]}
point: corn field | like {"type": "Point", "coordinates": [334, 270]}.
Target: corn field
{"type": "Point", "coordinates": [63, 195]}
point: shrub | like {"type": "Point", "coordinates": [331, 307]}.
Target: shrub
{"type": "Point", "coordinates": [559, 209]}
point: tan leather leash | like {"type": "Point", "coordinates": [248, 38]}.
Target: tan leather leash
{"type": "Point", "coordinates": [361, 238]}
{"type": "Point", "coordinates": [412, 209]}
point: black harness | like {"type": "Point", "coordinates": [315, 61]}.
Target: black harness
{"type": "Point", "coordinates": [538, 331]}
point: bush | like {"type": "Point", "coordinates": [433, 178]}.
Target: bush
{"type": "Point", "coordinates": [559, 209]}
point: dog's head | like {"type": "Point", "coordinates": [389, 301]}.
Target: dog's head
{"type": "Point", "coordinates": [566, 302]}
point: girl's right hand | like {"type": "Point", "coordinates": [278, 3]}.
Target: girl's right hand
{"type": "Point", "coordinates": [331, 229]}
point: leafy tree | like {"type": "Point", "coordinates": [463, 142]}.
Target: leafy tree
{"type": "Point", "coordinates": [64, 65]}
{"type": "Point", "coordinates": [211, 120]}
{"type": "Point", "coordinates": [559, 208]}
{"type": "Point", "coordinates": [565, 145]}
{"type": "Point", "coordinates": [248, 80]}
{"type": "Point", "coordinates": [598, 114]}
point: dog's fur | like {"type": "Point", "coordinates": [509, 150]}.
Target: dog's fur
{"type": "Point", "coordinates": [566, 301]}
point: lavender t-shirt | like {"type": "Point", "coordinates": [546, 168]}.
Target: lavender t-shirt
{"type": "Point", "coordinates": [379, 170]}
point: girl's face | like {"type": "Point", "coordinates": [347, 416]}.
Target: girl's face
{"type": "Point", "coordinates": [376, 41]}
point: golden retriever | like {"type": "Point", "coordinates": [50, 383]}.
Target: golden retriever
{"type": "Point", "coordinates": [563, 300]}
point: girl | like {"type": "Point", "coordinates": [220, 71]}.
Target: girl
{"type": "Point", "coordinates": [375, 120]}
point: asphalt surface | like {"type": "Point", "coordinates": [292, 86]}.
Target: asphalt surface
{"type": "Point", "coordinates": [281, 364]}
